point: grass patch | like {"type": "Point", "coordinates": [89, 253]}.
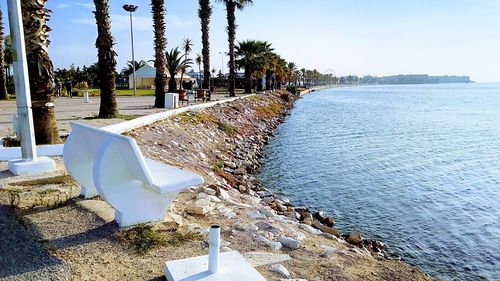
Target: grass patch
{"type": "Point", "coordinates": [226, 128]}
{"type": "Point", "coordinates": [270, 110]}
{"type": "Point", "coordinates": [120, 116]}
{"type": "Point", "coordinates": [219, 165]}
{"type": "Point", "coordinates": [144, 238]}
{"type": "Point", "coordinates": [198, 117]}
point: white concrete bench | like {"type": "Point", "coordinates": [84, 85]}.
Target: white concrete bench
{"type": "Point", "coordinates": [112, 166]}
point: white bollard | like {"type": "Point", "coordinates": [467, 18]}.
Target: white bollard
{"type": "Point", "coordinates": [86, 98]}
{"type": "Point", "coordinates": [213, 249]}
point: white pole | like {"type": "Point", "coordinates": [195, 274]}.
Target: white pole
{"type": "Point", "coordinates": [133, 55]}
{"type": "Point", "coordinates": [23, 96]}
{"type": "Point", "coordinates": [213, 249]}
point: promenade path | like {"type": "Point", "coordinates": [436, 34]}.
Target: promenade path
{"type": "Point", "coordinates": [74, 109]}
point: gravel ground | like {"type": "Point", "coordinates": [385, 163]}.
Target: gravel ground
{"type": "Point", "coordinates": [36, 262]}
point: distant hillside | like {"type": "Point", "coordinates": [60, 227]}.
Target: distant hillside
{"type": "Point", "coordinates": [414, 79]}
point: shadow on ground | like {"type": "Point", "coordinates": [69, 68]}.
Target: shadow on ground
{"type": "Point", "coordinates": [23, 258]}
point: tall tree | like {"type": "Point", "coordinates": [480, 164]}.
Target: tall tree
{"type": "Point", "coordinates": [292, 67]}
{"type": "Point", "coordinates": [175, 63]}
{"type": "Point", "coordinates": [205, 12]}
{"type": "Point", "coordinates": [40, 70]}
{"type": "Point", "coordinates": [158, 10]}
{"type": "Point", "coordinates": [187, 47]}
{"type": "Point", "coordinates": [3, 86]}
{"type": "Point", "coordinates": [231, 6]}
{"type": "Point", "coordinates": [198, 60]}
{"type": "Point", "coordinates": [251, 55]}
{"type": "Point", "coordinates": [127, 70]}
{"type": "Point", "coordinates": [106, 60]}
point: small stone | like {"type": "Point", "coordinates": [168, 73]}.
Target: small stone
{"type": "Point", "coordinates": [268, 200]}
{"type": "Point", "coordinates": [328, 253]}
{"type": "Point", "coordinates": [240, 172]}
{"type": "Point", "coordinates": [307, 221]}
{"type": "Point", "coordinates": [269, 227]}
{"type": "Point", "coordinates": [230, 164]}
{"type": "Point", "coordinates": [209, 191]}
{"type": "Point", "coordinates": [289, 242]}
{"type": "Point", "coordinates": [208, 197]}
{"type": "Point", "coordinates": [310, 229]}
{"type": "Point", "coordinates": [329, 221]}
{"type": "Point", "coordinates": [224, 195]}
{"type": "Point", "coordinates": [297, 235]}
{"type": "Point", "coordinates": [175, 218]}
{"type": "Point", "coordinates": [264, 258]}
{"type": "Point", "coordinates": [308, 216]}
{"type": "Point", "coordinates": [281, 270]}
{"type": "Point", "coordinates": [355, 238]}
{"type": "Point", "coordinates": [256, 215]}
{"type": "Point", "coordinates": [228, 170]}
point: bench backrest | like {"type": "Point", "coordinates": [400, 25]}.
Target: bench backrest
{"type": "Point", "coordinates": [83, 147]}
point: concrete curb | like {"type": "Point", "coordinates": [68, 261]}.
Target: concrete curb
{"type": "Point", "coordinates": [11, 153]}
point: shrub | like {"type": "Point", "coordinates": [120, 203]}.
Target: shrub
{"type": "Point", "coordinates": [292, 89]}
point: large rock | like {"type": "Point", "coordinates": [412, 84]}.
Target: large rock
{"type": "Point", "coordinates": [289, 242]}
{"type": "Point", "coordinates": [281, 270]}
{"type": "Point", "coordinates": [264, 258]}
{"type": "Point", "coordinates": [271, 244]}
{"type": "Point", "coordinates": [355, 238]}
{"type": "Point", "coordinates": [256, 215]}
{"type": "Point", "coordinates": [200, 207]}
{"type": "Point", "coordinates": [310, 229]}
{"type": "Point", "coordinates": [273, 228]}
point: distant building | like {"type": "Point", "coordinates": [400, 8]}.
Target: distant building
{"type": "Point", "coordinates": [145, 77]}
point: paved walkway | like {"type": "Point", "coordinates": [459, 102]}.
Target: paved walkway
{"type": "Point", "coordinates": [74, 109]}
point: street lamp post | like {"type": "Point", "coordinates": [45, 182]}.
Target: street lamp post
{"type": "Point", "coordinates": [222, 62]}
{"type": "Point", "coordinates": [131, 9]}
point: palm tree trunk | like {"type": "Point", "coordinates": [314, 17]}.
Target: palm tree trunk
{"type": "Point", "coordinates": [259, 84]}
{"type": "Point", "coordinates": [231, 31]}
{"type": "Point", "coordinates": [3, 84]}
{"type": "Point", "coordinates": [204, 12]}
{"type": "Point", "coordinates": [172, 84]}
{"type": "Point", "coordinates": [268, 80]}
{"type": "Point", "coordinates": [248, 81]}
{"type": "Point", "coordinates": [40, 71]}
{"type": "Point", "coordinates": [158, 10]}
{"type": "Point", "coordinates": [106, 60]}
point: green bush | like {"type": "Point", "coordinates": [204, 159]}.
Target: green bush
{"type": "Point", "coordinates": [292, 89]}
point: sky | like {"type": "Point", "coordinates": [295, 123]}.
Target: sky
{"type": "Point", "coordinates": [361, 37]}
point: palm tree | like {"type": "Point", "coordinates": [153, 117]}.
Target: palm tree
{"type": "Point", "coordinates": [3, 86]}
{"type": "Point", "coordinates": [231, 6]}
{"type": "Point", "coordinates": [205, 12]}
{"type": "Point", "coordinates": [281, 72]}
{"type": "Point", "coordinates": [40, 70]}
{"type": "Point", "coordinates": [187, 45]}
{"type": "Point", "coordinates": [158, 10]}
{"type": "Point", "coordinates": [106, 60]}
{"type": "Point", "coordinates": [199, 61]}
{"type": "Point", "coordinates": [251, 56]}
{"type": "Point", "coordinates": [175, 63]}
{"type": "Point", "coordinates": [292, 67]}
{"type": "Point", "coordinates": [126, 71]}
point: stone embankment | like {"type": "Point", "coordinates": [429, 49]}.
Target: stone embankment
{"type": "Point", "coordinates": [224, 144]}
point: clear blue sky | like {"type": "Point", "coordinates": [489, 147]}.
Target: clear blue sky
{"type": "Point", "coordinates": [377, 37]}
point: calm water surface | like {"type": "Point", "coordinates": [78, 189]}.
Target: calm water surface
{"type": "Point", "coordinates": [416, 166]}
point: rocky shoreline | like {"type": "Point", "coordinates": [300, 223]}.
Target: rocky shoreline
{"type": "Point", "coordinates": [243, 128]}
{"type": "Point", "coordinates": [224, 144]}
